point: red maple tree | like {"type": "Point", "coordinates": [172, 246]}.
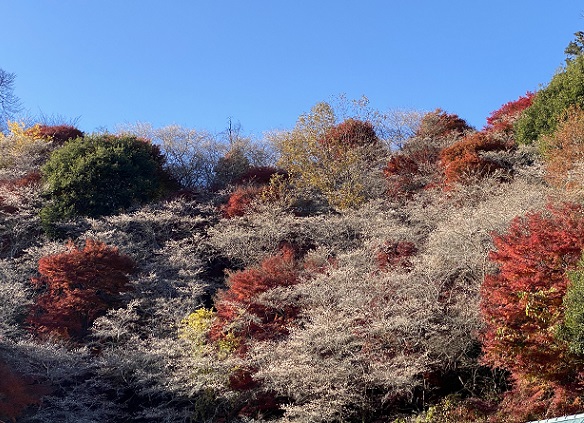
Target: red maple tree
{"type": "Point", "coordinates": [78, 286]}
{"type": "Point", "coordinates": [59, 134]}
{"type": "Point", "coordinates": [502, 120]}
{"type": "Point", "coordinates": [522, 305]}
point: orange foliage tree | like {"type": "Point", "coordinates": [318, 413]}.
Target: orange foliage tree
{"type": "Point", "coordinates": [12, 187]}
{"type": "Point", "coordinates": [522, 305]}
{"type": "Point", "coordinates": [463, 159]}
{"type": "Point", "coordinates": [240, 201]}
{"type": "Point", "coordinates": [249, 187]}
{"type": "Point", "coordinates": [416, 167]}
{"type": "Point", "coordinates": [564, 151]}
{"type": "Point", "coordinates": [78, 286]}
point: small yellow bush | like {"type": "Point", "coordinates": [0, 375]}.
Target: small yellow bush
{"type": "Point", "coordinates": [195, 326]}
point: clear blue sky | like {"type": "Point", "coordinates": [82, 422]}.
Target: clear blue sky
{"type": "Point", "coordinates": [264, 62]}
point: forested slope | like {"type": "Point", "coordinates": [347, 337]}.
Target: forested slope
{"type": "Point", "coordinates": [361, 266]}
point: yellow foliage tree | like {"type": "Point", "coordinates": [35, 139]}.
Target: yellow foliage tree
{"type": "Point", "coordinates": [342, 170]}
{"type": "Point", "coordinates": [20, 145]}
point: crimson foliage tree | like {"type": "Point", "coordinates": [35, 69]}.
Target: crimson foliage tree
{"type": "Point", "coordinates": [259, 175]}
{"type": "Point", "coordinates": [396, 254]}
{"type": "Point", "coordinates": [78, 286]}
{"type": "Point", "coordinates": [503, 119]}
{"type": "Point", "coordinates": [522, 305]}
{"type": "Point", "coordinates": [413, 169]}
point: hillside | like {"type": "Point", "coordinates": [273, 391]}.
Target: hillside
{"type": "Point", "coordinates": [359, 267]}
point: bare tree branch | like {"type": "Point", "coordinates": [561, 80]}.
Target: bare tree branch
{"type": "Point", "coordinates": [9, 104]}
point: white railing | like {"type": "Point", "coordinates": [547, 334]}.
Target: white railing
{"type": "Point", "coordinates": [577, 418]}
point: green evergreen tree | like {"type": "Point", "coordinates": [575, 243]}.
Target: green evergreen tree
{"type": "Point", "coordinates": [576, 46]}
{"type": "Point", "coordinates": [565, 90]}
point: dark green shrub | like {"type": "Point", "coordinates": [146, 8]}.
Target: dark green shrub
{"type": "Point", "coordinates": [550, 104]}
{"type": "Point", "coordinates": [101, 175]}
